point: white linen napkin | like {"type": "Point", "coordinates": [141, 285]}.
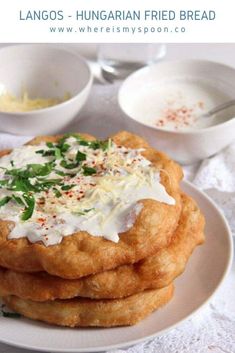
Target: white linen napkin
{"type": "Point", "coordinates": [216, 176]}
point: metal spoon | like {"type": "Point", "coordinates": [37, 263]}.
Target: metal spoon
{"type": "Point", "coordinates": [218, 109]}
{"type": "Point", "coordinates": [101, 76]}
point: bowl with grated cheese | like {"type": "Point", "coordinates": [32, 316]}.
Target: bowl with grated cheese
{"type": "Point", "coordinates": [42, 88]}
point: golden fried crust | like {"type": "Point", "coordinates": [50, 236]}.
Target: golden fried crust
{"type": "Point", "coordinates": [88, 312]}
{"type": "Point", "coordinates": [81, 254]}
{"type": "Point", "coordinates": [154, 272]}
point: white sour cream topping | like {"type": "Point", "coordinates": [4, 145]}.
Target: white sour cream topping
{"type": "Point", "coordinates": [103, 202]}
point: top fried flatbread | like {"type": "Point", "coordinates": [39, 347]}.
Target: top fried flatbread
{"type": "Point", "coordinates": [156, 271]}
{"type": "Point", "coordinates": [81, 254]}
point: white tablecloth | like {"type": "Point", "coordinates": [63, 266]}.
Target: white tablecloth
{"type": "Point", "coordinates": [213, 330]}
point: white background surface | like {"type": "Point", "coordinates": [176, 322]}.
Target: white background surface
{"type": "Point", "coordinates": [213, 330]}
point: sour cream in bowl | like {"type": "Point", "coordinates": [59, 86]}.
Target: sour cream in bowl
{"type": "Point", "coordinates": [166, 102]}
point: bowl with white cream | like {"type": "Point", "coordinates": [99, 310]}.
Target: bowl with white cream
{"type": "Point", "coordinates": [42, 88]}
{"type": "Point", "coordinates": [166, 103]}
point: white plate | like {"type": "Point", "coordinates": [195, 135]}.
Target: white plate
{"type": "Point", "coordinates": [204, 274]}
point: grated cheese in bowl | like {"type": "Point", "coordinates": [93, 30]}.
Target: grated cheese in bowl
{"type": "Point", "coordinates": [12, 104]}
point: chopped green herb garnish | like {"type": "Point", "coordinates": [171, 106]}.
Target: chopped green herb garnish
{"type": "Point", "coordinates": [88, 170]}
{"type": "Point", "coordinates": [94, 145]}
{"type": "Point", "coordinates": [35, 177]}
{"type": "Point", "coordinates": [104, 145]}
{"type": "Point", "coordinates": [21, 184]}
{"type": "Point", "coordinates": [40, 151]}
{"type": "Point", "coordinates": [82, 213]}
{"type": "Point", "coordinates": [66, 136]}
{"type": "Point", "coordinates": [57, 193]}
{"type": "Point", "coordinates": [3, 183]}
{"type": "Point", "coordinates": [18, 173]}
{"type": "Point", "coordinates": [64, 147]}
{"type": "Point", "coordinates": [30, 201]}
{"type": "Point", "coordinates": [10, 315]}
{"type": "Point", "coordinates": [31, 170]}
{"type": "Point", "coordinates": [40, 169]}
{"type": "Point", "coordinates": [47, 183]}
{"type": "Point", "coordinates": [54, 151]}
{"type": "Point", "coordinates": [67, 165]}
{"type": "Point", "coordinates": [4, 200]}
{"type": "Point", "coordinates": [67, 187]}
{"type": "Point", "coordinates": [80, 156]}
{"type": "Point", "coordinates": [18, 200]}
{"type": "Point", "coordinates": [83, 143]}
{"type": "Point", "coordinates": [88, 209]}
{"type": "Point", "coordinates": [59, 172]}
{"type": "Point", "coordinates": [48, 153]}
{"type": "Point", "coordinates": [99, 144]}
{"type": "Point", "coordinates": [58, 154]}
{"type": "Point", "coordinates": [7, 313]}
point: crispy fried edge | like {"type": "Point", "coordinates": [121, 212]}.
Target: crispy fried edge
{"type": "Point", "coordinates": [88, 312]}
{"type": "Point", "coordinates": [156, 271]}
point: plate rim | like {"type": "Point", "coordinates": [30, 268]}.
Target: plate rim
{"type": "Point", "coordinates": [130, 343]}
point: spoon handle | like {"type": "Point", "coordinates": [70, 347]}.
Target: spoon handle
{"type": "Point", "coordinates": [219, 108]}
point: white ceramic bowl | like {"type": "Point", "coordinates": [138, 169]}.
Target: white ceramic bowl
{"type": "Point", "coordinates": [184, 146]}
{"type": "Point", "coordinates": [48, 72]}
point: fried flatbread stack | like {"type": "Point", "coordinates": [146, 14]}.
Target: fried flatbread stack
{"type": "Point", "coordinates": [83, 278]}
